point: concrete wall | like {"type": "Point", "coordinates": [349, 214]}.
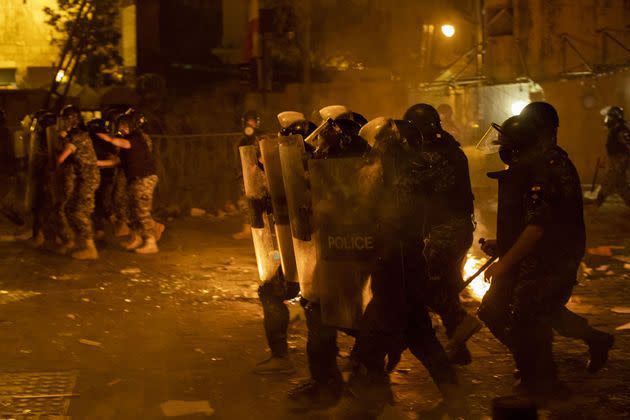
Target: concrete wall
{"type": "Point", "coordinates": [25, 40]}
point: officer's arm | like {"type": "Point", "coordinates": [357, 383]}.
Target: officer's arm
{"type": "Point", "coordinates": [67, 151]}
{"type": "Point", "coordinates": [116, 141]}
{"type": "Point", "coordinates": [524, 245]}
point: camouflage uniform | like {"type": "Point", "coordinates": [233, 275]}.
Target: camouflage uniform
{"type": "Point", "coordinates": [139, 164]}
{"type": "Point", "coordinates": [65, 185]}
{"type": "Point", "coordinates": [522, 307]}
{"type": "Point", "coordinates": [87, 181]}
{"type": "Point", "coordinates": [141, 196]}
{"type": "Point", "coordinates": [441, 172]}
{"type": "Point", "coordinates": [120, 197]}
{"type": "Point", "coordinates": [616, 177]}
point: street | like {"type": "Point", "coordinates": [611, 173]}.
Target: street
{"type": "Point", "coordinates": [125, 336]}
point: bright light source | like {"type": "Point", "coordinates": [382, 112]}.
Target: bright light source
{"type": "Point", "coordinates": [518, 106]}
{"type": "Point", "coordinates": [61, 75]}
{"type": "Point", "coordinates": [448, 30]}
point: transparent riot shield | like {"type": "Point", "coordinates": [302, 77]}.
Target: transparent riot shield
{"type": "Point", "coordinates": [296, 185]}
{"type": "Point", "coordinates": [269, 148]}
{"type": "Point", "coordinates": [345, 195]}
{"type": "Point", "coordinates": [256, 193]}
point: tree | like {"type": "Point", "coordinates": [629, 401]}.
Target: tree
{"type": "Point", "coordinates": [88, 30]}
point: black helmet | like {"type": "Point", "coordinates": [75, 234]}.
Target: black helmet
{"type": "Point", "coordinates": [425, 118]}
{"type": "Point", "coordinates": [139, 120]}
{"type": "Point", "coordinates": [302, 128]}
{"type": "Point", "coordinates": [612, 115]}
{"type": "Point", "coordinates": [516, 133]}
{"type": "Point", "coordinates": [97, 125]}
{"type": "Point", "coordinates": [359, 119]}
{"type": "Point", "coordinates": [126, 119]}
{"type": "Point", "coordinates": [250, 115]}
{"type": "Point", "coordinates": [48, 119]}
{"type": "Point", "coordinates": [409, 132]}
{"type": "Point", "coordinates": [69, 111]}
{"type": "Point", "coordinates": [541, 114]}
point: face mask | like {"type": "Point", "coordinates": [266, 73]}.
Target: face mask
{"type": "Point", "coordinates": [507, 156]}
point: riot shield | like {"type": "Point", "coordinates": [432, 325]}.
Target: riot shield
{"type": "Point", "coordinates": [269, 148]}
{"type": "Point", "coordinates": [256, 193]}
{"type": "Point", "coordinates": [295, 177]}
{"type": "Point", "coordinates": [345, 199]}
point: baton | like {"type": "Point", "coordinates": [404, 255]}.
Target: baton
{"type": "Point", "coordinates": [481, 269]}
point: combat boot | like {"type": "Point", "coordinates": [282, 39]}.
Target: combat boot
{"type": "Point", "coordinates": [159, 230]}
{"type": "Point", "coordinates": [149, 247]}
{"type": "Point", "coordinates": [598, 347]}
{"type": "Point", "coordinates": [87, 253]}
{"type": "Point", "coordinates": [316, 395]}
{"type": "Point", "coordinates": [275, 365]}
{"type": "Point", "coordinates": [121, 229]}
{"type": "Point", "coordinates": [38, 240]}
{"type": "Point", "coordinates": [134, 243]}
{"type": "Point", "coordinates": [65, 248]}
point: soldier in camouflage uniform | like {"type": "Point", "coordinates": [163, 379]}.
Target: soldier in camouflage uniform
{"type": "Point", "coordinates": [84, 161]}
{"type": "Point", "coordinates": [441, 172]}
{"type": "Point", "coordinates": [618, 149]}
{"type": "Point", "coordinates": [139, 164]}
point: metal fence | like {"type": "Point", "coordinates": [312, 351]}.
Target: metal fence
{"type": "Point", "coordinates": [198, 170]}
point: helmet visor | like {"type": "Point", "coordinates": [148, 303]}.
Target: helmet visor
{"type": "Point", "coordinates": [489, 143]}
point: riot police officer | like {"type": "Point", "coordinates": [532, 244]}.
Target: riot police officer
{"type": "Point", "coordinates": [274, 292]}
{"type": "Point", "coordinates": [442, 176]}
{"type": "Point", "coordinates": [397, 315]}
{"type": "Point", "coordinates": [540, 243]}
{"type": "Point", "coordinates": [618, 156]}
{"type": "Point", "coordinates": [544, 117]}
{"type": "Point", "coordinates": [337, 138]}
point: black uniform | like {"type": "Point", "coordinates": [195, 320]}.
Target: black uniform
{"type": "Point", "coordinates": [441, 172]}
{"type": "Point", "coordinates": [397, 317]}
{"type": "Point", "coordinates": [618, 150]}
{"type": "Point", "coordinates": [520, 307]}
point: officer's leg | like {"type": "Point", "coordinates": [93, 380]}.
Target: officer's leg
{"type": "Point", "coordinates": [445, 280]}
{"type": "Point", "coordinates": [537, 299]}
{"type": "Point", "coordinates": [326, 384]}
{"type": "Point", "coordinates": [272, 295]}
{"type": "Point", "coordinates": [120, 197]}
{"type": "Point", "coordinates": [569, 324]}
{"type": "Point", "coordinates": [65, 200]}
{"type": "Point", "coordinates": [81, 214]}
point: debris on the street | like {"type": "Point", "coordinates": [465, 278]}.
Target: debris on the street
{"type": "Point", "coordinates": [90, 342]}
{"type": "Point", "coordinates": [71, 316]}
{"type": "Point", "coordinates": [131, 270]}
{"type": "Point", "coordinates": [176, 408]}
{"type": "Point", "coordinates": [623, 327]}
{"type": "Point", "coordinates": [196, 212]}
{"type": "Point", "coordinates": [621, 309]}
{"type": "Point", "coordinates": [114, 382]}
{"type": "Point", "coordinates": [602, 268]}
{"type": "Point", "coordinates": [603, 251]}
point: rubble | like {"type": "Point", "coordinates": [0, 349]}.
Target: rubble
{"type": "Point", "coordinates": [197, 212]}
{"type": "Point", "coordinates": [603, 251]}
{"type": "Point", "coordinates": [90, 342]}
{"type": "Point", "coordinates": [177, 408]}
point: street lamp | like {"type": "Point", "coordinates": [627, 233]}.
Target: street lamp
{"type": "Point", "coordinates": [448, 30]}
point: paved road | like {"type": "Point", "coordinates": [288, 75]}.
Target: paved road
{"type": "Point", "coordinates": [118, 337]}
